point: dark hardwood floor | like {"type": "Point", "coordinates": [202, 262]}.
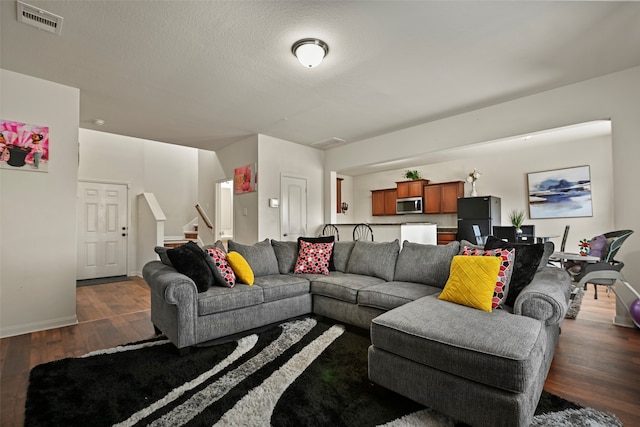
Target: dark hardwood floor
{"type": "Point", "coordinates": [596, 364]}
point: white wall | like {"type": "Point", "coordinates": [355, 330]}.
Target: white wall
{"type": "Point", "coordinates": [170, 172]}
{"type": "Point", "coordinates": [615, 96]}
{"type": "Point", "coordinates": [38, 211]}
{"type": "Point", "coordinates": [278, 157]}
{"type": "Point", "coordinates": [350, 198]}
{"type": "Point", "coordinates": [209, 171]}
{"type": "Point", "coordinates": [505, 175]}
{"type": "Point", "coordinates": [237, 155]}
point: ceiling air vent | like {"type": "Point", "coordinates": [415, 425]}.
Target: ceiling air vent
{"type": "Point", "coordinates": [39, 18]}
{"type": "Point", "coordinates": [332, 142]}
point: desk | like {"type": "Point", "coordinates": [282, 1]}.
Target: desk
{"type": "Point", "coordinates": [544, 239]}
{"type": "Point", "coordinates": [574, 257]}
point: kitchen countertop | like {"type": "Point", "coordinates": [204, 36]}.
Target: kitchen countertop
{"type": "Point", "coordinates": [389, 223]}
{"type": "Point", "coordinates": [443, 229]}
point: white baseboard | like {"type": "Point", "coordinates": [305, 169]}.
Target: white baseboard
{"type": "Point", "coordinates": [38, 326]}
{"type": "Point", "coordinates": [624, 321]}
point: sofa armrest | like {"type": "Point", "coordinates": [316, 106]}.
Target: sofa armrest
{"type": "Point", "coordinates": [546, 298]}
{"type": "Point", "coordinates": [174, 302]}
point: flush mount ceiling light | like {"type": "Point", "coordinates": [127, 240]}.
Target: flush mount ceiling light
{"type": "Point", "coordinates": [310, 52]}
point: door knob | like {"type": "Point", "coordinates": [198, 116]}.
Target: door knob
{"type": "Point", "coordinates": [124, 234]}
{"type": "Point", "coordinates": [285, 234]}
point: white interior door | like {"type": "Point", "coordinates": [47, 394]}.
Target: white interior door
{"type": "Point", "coordinates": [224, 210]}
{"type": "Point", "coordinates": [293, 208]}
{"type": "Point", "coordinates": [102, 230]}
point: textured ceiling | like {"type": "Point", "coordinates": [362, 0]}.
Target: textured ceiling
{"type": "Point", "coordinates": [206, 74]}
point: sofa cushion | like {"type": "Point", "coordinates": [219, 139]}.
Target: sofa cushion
{"type": "Point", "coordinates": [286, 254]}
{"type": "Point", "coordinates": [377, 259]}
{"type": "Point", "coordinates": [527, 260]}
{"type": "Point", "coordinates": [222, 271]}
{"type": "Point", "coordinates": [428, 264]}
{"type": "Point", "coordinates": [260, 257]}
{"type": "Point", "coordinates": [280, 286]}
{"type": "Point", "coordinates": [507, 257]}
{"type": "Point", "coordinates": [388, 295]}
{"type": "Point", "coordinates": [241, 268]}
{"type": "Point", "coordinates": [498, 349]}
{"type": "Point", "coordinates": [342, 286]}
{"type": "Point", "coordinates": [191, 261]}
{"type": "Point", "coordinates": [472, 281]}
{"type": "Point", "coordinates": [218, 299]}
{"type": "Point", "coordinates": [341, 253]}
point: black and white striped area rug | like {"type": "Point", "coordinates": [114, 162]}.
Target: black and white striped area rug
{"type": "Point", "coordinates": [304, 372]}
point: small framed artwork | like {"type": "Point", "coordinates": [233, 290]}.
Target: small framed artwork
{"type": "Point", "coordinates": [24, 146]}
{"type": "Point", "coordinates": [245, 179]}
{"type": "Point", "coordinates": [560, 193]}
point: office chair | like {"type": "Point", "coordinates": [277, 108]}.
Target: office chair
{"type": "Point", "coordinates": [362, 232]}
{"type": "Point", "coordinates": [331, 230]}
{"type": "Point", "coordinates": [607, 271]}
{"type": "Point", "coordinates": [480, 239]}
{"type": "Point", "coordinates": [559, 261]}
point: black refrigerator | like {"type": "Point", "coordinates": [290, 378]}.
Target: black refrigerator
{"type": "Point", "coordinates": [483, 211]}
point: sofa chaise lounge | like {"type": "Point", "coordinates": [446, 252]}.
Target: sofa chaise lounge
{"type": "Point", "coordinates": [482, 368]}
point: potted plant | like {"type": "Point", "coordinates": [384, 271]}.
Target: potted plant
{"type": "Point", "coordinates": [517, 218]}
{"type": "Point", "coordinates": [412, 175]}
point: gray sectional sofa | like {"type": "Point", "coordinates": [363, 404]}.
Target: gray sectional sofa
{"type": "Point", "coordinates": [482, 368]}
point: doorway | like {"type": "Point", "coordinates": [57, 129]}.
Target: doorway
{"type": "Point", "coordinates": [103, 231]}
{"type": "Point", "coordinates": [293, 208]}
{"type": "Point", "coordinates": [224, 210]}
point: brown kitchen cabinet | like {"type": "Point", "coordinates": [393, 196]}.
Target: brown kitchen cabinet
{"type": "Point", "coordinates": [446, 238]}
{"type": "Point", "coordinates": [443, 197]}
{"type": "Point", "coordinates": [383, 202]}
{"type": "Point", "coordinates": [410, 188]}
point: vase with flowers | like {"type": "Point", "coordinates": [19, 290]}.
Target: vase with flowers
{"type": "Point", "coordinates": [472, 178]}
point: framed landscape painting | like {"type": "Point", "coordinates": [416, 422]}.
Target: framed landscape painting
{"type": "Point", "coordinates": [560, 193]}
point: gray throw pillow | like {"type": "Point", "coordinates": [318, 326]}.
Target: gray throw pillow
{"type": "Point", "coordinates": [377, 259]}
{"type": "Point", "coordinates": [341, 253]}
{"type": "Point", "coordinates": [427, 264]}
{"type": "Point", "coordinates": [287, 255]}
{"type": "Point", "coordinates": [162, 253]}
{"type": "Point", "coordinates": [261, 257]}
{"type": "Point", "coordinates": [217, 244]}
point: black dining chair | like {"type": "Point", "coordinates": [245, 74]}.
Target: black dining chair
{"type": "Point", "coordinates": [331, 230]}
{"type": "Point", "coordinates": [362, 232]}
{"type": "Point", "coordinates": [558, 262]}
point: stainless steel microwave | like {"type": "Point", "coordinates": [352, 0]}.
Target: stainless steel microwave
{"type": "Point", "coordinates": [410, 205]}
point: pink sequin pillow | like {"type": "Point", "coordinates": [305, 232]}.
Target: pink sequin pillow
{"type": "Point", "coordinates": [223, 273]}
{"type": "Point", "coordinates": [313, 258]}
{"type": "Point", "coordinates": [504, 275]}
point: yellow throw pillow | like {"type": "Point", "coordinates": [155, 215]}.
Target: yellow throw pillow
{"type": "Point", "coordinates": [472, 280]}
{"type": "Point", "coordinates": [241, 267]}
